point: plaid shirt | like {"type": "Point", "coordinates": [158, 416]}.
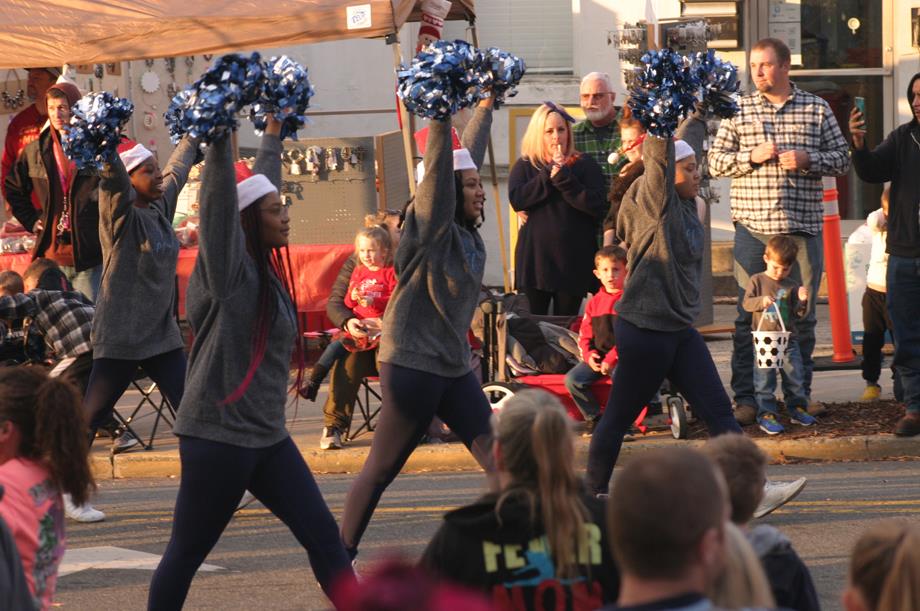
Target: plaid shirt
{"type": "Point", "coordinates": [764, 197]}
{"type": "Point", "coordinates": [598, 143]}
{"type": "Point", "coordinates": [65, 318]}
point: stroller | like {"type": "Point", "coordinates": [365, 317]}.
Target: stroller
{"type": "Point", "coordinates": [504, 373]}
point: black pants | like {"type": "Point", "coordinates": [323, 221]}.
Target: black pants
{"type": "Point", "coordinates": [564, 304]}
{"type": "Point", "coordinates": [214, 477]}
{"type": "Point", "coordinates": [411, 398]}
{"type": "Point", "coordinates": [875, 323]}
{"type": "Point", "coordinates": [646, 358]}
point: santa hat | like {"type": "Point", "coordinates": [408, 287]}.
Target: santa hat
{"type": "Point", "coordinates": [462, 158]}
{"type": "Point", "coordinates": [430, 30]}
{"type": "Point", "coordinates": [133, 153]}
{"type": "Point", "coordinates": [682, 150]}
{"type": "Point", "coordinates": [250, 187]}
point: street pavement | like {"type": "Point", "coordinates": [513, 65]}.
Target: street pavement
{"type": "Point", "coordinates": [262, 566]}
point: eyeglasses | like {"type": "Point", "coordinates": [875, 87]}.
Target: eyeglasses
{"type": "Point", "coordinates": [562, 113]}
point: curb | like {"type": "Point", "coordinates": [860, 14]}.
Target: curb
{"type": "Point", "coordinates": [454, 456]}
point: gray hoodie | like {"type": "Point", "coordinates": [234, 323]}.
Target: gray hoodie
{"type": "Point", "coordinates": [439, 265]}
{"type": "Point", "coordinates": [222, 308]}
{"type": "Point", "coordinates": [135, 311]}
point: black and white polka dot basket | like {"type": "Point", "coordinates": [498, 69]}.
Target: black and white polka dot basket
{"type": "Point", "coordinates": [770, 346]}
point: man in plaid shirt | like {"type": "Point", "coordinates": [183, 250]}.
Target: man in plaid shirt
{"type": "Point", "coordinates": [599, 134]}
{"type": "Point", "coordinates": [776, 150]}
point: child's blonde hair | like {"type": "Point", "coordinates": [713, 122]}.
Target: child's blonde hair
{"type": "Point", "coordinates": [885, 566]}
{"type": "Point", "coordinates": [743, 583]}
{"type": "Point", "coordinates": [379, 236]}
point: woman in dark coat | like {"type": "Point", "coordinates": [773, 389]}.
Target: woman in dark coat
{"type": "Point", "coordinates": [562, 196]}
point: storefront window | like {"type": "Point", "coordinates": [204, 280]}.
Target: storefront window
{"type": "Point", "coordinates": [841, 34]}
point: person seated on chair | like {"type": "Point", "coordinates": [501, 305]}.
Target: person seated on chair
{"type": "Point", "coordinates": [595, 336]}
{"type": "Point", "coordinates": [347, 375]}
{"type": "Point", "coordinates": [369, 289]}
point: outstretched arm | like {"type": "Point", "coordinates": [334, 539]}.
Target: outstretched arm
{"type": "Point", "coordinates": [175, 174]}
{"type": "Point", "coordinates": [116, 201]}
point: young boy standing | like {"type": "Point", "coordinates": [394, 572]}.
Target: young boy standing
{"type": "Point", "coordinates": [595, 337]}
{"type": "Point", "coordinates": [770, 293]}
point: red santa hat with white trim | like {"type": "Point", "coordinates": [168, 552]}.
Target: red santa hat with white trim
{"type": "Point", "coordinates": [133, 153]}
{"type": "Point", "coordinates": [250, 187]}
{"type": "Point", "coordinates": [462, 158]}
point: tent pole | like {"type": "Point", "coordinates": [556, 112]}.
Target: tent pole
{"type": "Point", "coordinates": [404, 120]}
{"type": "Point", "coordinates": [495, 192]}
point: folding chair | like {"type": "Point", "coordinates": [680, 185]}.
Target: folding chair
{"type": "Point", "coordinates": [367, 412]}
{"type": "Point", "coordinates": [163, 410]}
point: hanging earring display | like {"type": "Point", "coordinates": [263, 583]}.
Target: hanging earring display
{"type": "Point", "coordinates": [13, 99]}
{"type": "Point", "coordinates": [98, 70]}
{"type": "Point", "coordinates": [189, 69]}
{"type": "Point", "coordinates": [171, 89]}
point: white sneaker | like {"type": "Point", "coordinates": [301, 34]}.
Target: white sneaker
{"type": "Point", "coordinates": [331, 439]}
{"type": "Point", "coordinates": [777, 494]}
{"type": "Point", "coordinates": [246, 501]}
{"type": "Point", "coordinates": [81, 513]}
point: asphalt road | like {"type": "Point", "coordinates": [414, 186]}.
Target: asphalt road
{"type": "Point", "coordinates": [263, 567]}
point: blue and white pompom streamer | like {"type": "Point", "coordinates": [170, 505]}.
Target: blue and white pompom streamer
{"type": "Point", "coordinates": [95, 129]}
{"type": "Point", "coordinates": [507, 70]}
{"type": "Point", "coordinates": [286, 93]}
{"type": "Point", "coordinates": [443, 78]}
{"type": "Point", "coordinates": [665, 91]}
{"type": "Point", "coordinates": [719, 84]}
{"type": "Point", "coordinates": [207, 109]}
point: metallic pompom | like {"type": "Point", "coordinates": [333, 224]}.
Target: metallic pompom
{"type": "Point", "coordinates": [286, 93]}
{"type": "Point", "coordinates": [444, 77]}
{"type": "Point", "coordinates": [507, 71]}
{"type": "Point", "coordinates": [719, 81]}
{"type": "Point", "coordinates": [664, 92]}
{"type": "Point", "coordinates": [95, 129]}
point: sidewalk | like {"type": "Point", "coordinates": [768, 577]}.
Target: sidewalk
{"type": "Point", "coordinates": [305, 424]}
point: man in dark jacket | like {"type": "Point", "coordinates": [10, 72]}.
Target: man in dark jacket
{"type": "Point", "coordinates": [67, 226]}
{"type": "Point", "coordinates": [896, 160]}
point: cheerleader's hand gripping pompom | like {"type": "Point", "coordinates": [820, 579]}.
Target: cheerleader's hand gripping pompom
{"type": "Point", "coordinates": [665, 91]}
{"type": "Point", "coordinates": [95, 129]}
{"type": "Point", "coordinates": [207, 109]}
{"type": "Point", "coordinates": [719, 84]}
{"type": "Point", "coordinates": [507, 71]}
{"type": "Point", "coordinates": [443, 78]}
{"type": "Point", "coordinates": [286, 94]}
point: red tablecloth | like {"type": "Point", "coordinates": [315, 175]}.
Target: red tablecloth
{"type": "Point", "coordinates": [315, 268]}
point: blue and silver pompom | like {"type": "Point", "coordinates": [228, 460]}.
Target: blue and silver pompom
{"type": "Point", "coordinates": [207, 109]}
{"type": "Point", "coordinates": [719, 82]}
{"type": "Point", "coordinates": [443, 78]}
{"type": "Point", "coordinates": [286, 94]}
{"type": "Point", "coordinates": [507, 70]}
{"type": "Point", "coordinates": [665, 91]}
{"type": "Point", "coordinates": [95, 129]}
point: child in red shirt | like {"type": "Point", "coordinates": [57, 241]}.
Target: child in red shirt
{"type": "Point", "coordinates": [368, 294]}
{"type": "Point", "coordinates": [595, 337]}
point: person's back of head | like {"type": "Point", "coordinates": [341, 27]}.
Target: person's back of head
{"type": "Point", "coordinates": [743, 583]}
{"type": "Point", "coordinates": [44, 274]}
{"type": "Point", "coordinates": [10, 283]}
{"type": "Point", "coordinates": [885, 569]}
{"type": "Point", "coordinates": [743, 465]}
{"type": "Point", "coordinates": [650, 546]}
{"type": "Point", "coordinates": [535, 449]}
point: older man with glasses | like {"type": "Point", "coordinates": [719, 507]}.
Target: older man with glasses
{"type": "Point", "coordinates": [599, 134]}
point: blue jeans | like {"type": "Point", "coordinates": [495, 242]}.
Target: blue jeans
{"type": "Point", "coordinates": [904, 308]}
{"type": "Point", "coordinates": [87, 282]}
{"type": "Point", "coordinates": [793, 391]}
{"type": "Point", "coordinates": [748, 252]}
{"type": "Point", "coordinates": [333, 353]}
{"type": "Point", "coordinates": [578, 381]}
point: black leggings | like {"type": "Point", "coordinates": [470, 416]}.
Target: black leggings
{"type": "Point", "coordinates": [111, 377]}
{"type": "Point", "coordinates": [564, 304]}
{"type": "Point", "coordinates": [646, 358]}
{"type": "Point", "coordinates": [214, 477]}
{"type": "Point", "coordinates": [411, 398]}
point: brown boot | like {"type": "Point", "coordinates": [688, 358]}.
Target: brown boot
{"type": "Point", "coordinates": [908, 425]}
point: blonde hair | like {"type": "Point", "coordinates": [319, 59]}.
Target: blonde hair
{"type": "Point", "coordinates": [538, 452]}
{"type": "Point", "coordinates": [380, 237]}
{"type": "Point", "coordinates": [533, 148]}
{"type": "Point", "coordinates": [885, 566]}
{"type": "Point", "coordinates": [743, 582]}
{"type": "Point", "coordinates": [380, 217]}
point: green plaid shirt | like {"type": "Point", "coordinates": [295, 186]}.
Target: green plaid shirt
{"type": "Point", "coordinates": [599, 142]}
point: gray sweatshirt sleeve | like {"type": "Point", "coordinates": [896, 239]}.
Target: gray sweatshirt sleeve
{"type": "Point", "coordinates": [753, 296]}
{"type": "Point", "coordinates": [476, 135]}
{"type": "Point", "coordinates": [435, 200]}
{"type": "Point", "coordinates": [656, 187]}
{"type": "Point", "coordinates": [116, 203]}
{"type": "Point", "coordinates": [692, 130]}
{"type": "Point", "coordinates": [268, 160]}
{"type": "Point", "coordinates": [175, 174]}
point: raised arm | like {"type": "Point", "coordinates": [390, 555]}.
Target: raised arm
{"type": "Point", "coordinates": [435, 201]}
{"type": "Point", "coordinates": [116, 202]}
{"type": "Point", "coordinates": [879, 164]}
{"type": "Point", "coordinates": [476, 135]}
{"type": "Point", "coordinates": [656, 187]}
{"type": "Point", "coordinates": [692, 130]}
{"type": "Point", "coordinates": [175, 174]}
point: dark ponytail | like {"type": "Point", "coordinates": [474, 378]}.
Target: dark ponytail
{"type": "Point", "coordinates": [49, 415]}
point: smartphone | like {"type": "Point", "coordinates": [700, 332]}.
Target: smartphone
{"type": "Point", "coordinates": [860, 103]}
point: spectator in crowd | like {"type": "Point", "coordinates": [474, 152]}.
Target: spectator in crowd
{"type": "Point", "coordinates": [895, 160]}
{"type": "Point", "coordinates": [776, 150]}
{"type": "Point", "coordinates": [540, 542]}
{"type": "Point", "coordinates": [346, 375]}
{"type": "Point", "coordinates": [67, 226]}
{"type": "Point", "coordinates": [43, 452]}
{"type": "Point", "coordinates": [599, 134]}
{"type": "Point", "coordinates": [596, 339]}
{"type": "Point", "coordinates": [885, 569]}
{"type": "Point", "coordinates": [743, 466]}
{"type": "Point", "coordinates": [743, 583]}
{"type": "Point", "coordinates": [562, 193]}
{"type": "Point", "coordinates": [667, 564]}
{"type": "Point", "coordinates": [876, 321]}
{"type": "Point", "coordinates": [14, 591]}
{"type": "Point", "coordinates": [26, 125]}
{"type": "Point", "coordinates": [631, 148]}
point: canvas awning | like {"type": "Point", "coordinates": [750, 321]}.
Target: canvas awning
{"type": "Point", "coordinates": [55, 32]}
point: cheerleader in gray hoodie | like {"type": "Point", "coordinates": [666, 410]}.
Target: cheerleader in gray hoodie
{"type": "Point", "coordinates": [424, 351]}
{"type": "Point", "coordinates": [231, 422]}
